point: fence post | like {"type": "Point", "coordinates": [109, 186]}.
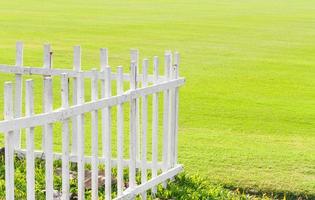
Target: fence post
{"type": "Point", "coordinates": [30, 165]}
{"type": "Point", "coordinates": [94, 168]}
{"type": "Point", "coordinates": [155, 124]}
{"type": "Point", "coordinates": [166, 132]}
{"type": "Point", "coordinates": [107, 153]}
{"type": "Point", "coordinates": [120, 133]}
{"type": "Point", "coordinates": [133, 127]}
{"type": "Point", "coordinates": [144, 127]}
{"type": "Point", "coordinates": [176, 66]}
{"type": "Point", "coordinates": [48, 139]}
{"type": "Point", "coordinates": [134, 56]}
{"type": "Point", "coordinates": [77, 68]}
{"type": "Point", "coordinates": [18, 92]}
{"type": "Point", "coordinates": [65, 138]}
{"type": "Point", "coordinates": [47, 65]}
{"type": "Point", "coordinates": [9, 143]}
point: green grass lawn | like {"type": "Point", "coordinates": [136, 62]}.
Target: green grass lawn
{"type": "Point", "coordinates": [247, 111]}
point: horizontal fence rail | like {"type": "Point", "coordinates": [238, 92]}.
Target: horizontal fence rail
{"type": "Point", "coordinates": [132, 106]}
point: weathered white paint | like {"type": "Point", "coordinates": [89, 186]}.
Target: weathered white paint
{"type": "Point", "coordinates": [9, 140]}
{"type": "Point", "coordinates": [80, 140]}
{"type": "Point", "coordinates": [65, 138]}
{"type": "Point", "coordinates": [166, 108]}
{"type": "Point", "coordinates": [120, 133]}
{"type": "Point", "coordinates": [77, 69]}
{"type": "Point", "coordinates": [133, 127]}
{"type": "Point", "coordinates": [134, 57]}
{"type": "Point", "coordinates": [46, 65]}
{"type": "Point", "coordinates": [131, 194]}
{"type": "Point", "coordinates": [155, 124]}
{"type": "Point", "coordinates": [18, 92]}
{"type": "Point", "coordinates": [26, 70]}
{"type": "Point", "coordinates": [94, 135]}
{"type": "Point", "coordinates": [176, 65]}
{"type": "Point", "coordinates": [30, 162]}
{"type": "Point", "coordinates": [88, 159]}
{"type": "Point", "coordinates": [107, 153]}
{"type": "Point", "coordinates": [48, 96]}
{"type": "Point", "coordinates": [61, 114]}
{"type": "Point", "coordinates": [144, 127]}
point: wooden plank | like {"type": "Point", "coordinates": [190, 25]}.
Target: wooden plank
{"type": "Point", "coordinates": [18, 92]}
{"type": "Point", "coordinates": [107, 153]}
{"type": "Point", "coordinates": [48, 139]}
{"type": "Point", "coordinates": [65, 138]}
{"type": "Point", "coordinates": [133, 128]}
{"type": "Point", "coordinates": [46, 65]}
{"type": "Point", "coordinates": [166, 108]}
{"type": "Point", "coordinates": [176, 65]}
{"type": "Point", "coordinates": [26, 70]}
{"type": "Point", "coordinates": [61, 114]}
{"type": "Point", "coordinates": [80, 140]}
{"type": "Point", "coordinates": [120, 134]}
{"type": "Point", "coordinates": [134, 57]}
{"type": "Point", "coordinates": [172, 121]}
{"type": "Point", "coordinates": [9, 140]}
{"type": "Point", "coordinates": [88, 159]}
{"type": "Point", "coordinates": [132, 193]}
{"type": "Point", "coordinates": [30, 162]}
{"type": "Point", "coordinates": [94, 168]}
{"type": "Point", "coordinates": [104, 64]}
{"type": "Point", "coordinates": [144, 127]}
{"type": "Point", "coordinates": [155, 118]}
{"type": "Point", "coordinates": [76, 68]}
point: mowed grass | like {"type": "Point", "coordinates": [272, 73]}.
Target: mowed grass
{"type": "Point", "coordinates": [247, 111]}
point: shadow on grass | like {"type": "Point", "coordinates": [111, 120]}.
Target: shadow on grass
{"type": "Point", "coordinates": [272, 194]}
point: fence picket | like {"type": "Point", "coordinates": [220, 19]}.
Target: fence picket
{"type": "Point", "coordinates": [133, 127]}
{"type": "Point", "coordinates": [30, 162]}
{"type": "Point", "coordinates": [76, 68]}
{"type": "Point", "coordinates": [144, 127]}
{"type": "Point", "coordinates": [9, 140]}
{"type": "Point", "coordinates": [65, 138]}
{"type": "Point", "coordinates": [107, 153]}
{"type": "Point", "coordinates": [48, 139]}
{"type": "Point", "coordinates": [155, 118]}
{"type": "Point", "coordinates": [104, 64]}
{"type": "Point", "coordinates": [134, 57]}
{"type": "Point", "coordinates": [80, 140]}
{"type": "Point", "coordinates": [94, 168]}
{"type": "Point", "coordinates": [120, 133]}
{"type": "Point", "coordinates": [47, 65]}
{"type": "Point", "coordinates": [176, 65]}
{"type": "Point", "coordinates": [166, 108]}
{"type": "Point", "coordinates": [18, 92]}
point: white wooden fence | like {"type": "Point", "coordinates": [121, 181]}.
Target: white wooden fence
{"type": "Point", "coordinates": [141, 86]}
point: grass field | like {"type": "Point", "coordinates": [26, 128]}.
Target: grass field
{"type": "Point", "coordinates": [247, 111]}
